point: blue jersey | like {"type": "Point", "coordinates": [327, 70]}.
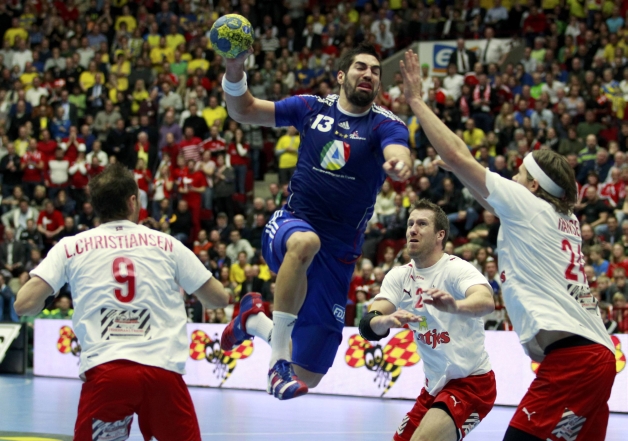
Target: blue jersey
{"type": "Point", "coordinates": [339, 171]}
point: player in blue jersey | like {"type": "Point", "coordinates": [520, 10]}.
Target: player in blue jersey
{"type": "Point", "coordinates": [348, 146]}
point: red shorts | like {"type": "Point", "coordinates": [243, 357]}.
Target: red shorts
{"type": "Point", "coordinates": [116, 390]}
{"type": "Point", "coordinates": [568, 398]}
{"type": "Point", "coordinates": [468, 399]}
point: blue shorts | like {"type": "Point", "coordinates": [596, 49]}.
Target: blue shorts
{"type": "Point", "coordinates": [318, 330]}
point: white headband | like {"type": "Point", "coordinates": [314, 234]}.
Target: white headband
{"type": "Point", "coordinates": [544, 181]}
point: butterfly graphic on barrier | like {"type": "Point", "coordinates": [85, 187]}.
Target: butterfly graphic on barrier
{"type": "Point", "coordinates": [68, 343]}
{"type": "Point", "coordinates": [202, 347]}
{"type": "Point", "coordinates": [401, 351]}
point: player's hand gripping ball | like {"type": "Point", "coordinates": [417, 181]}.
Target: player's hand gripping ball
{"type": "Point", "coordinates": [231, 35]}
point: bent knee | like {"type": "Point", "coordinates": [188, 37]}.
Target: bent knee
{"type": "Point", "coordinates": [304, 245]}
{"type": "Point", "coordinates": [310, 378]}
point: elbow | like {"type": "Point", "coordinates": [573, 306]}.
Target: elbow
{"type": "Point", "coordinates": [223, 301]}
{"type": "Point", "coordinates": [20, 307]}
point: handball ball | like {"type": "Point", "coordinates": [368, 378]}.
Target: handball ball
{"type": "Point", "coordinates": [231, 35]}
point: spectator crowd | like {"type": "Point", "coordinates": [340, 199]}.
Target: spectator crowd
{"type": "Point", "coordinates": [87, 83]}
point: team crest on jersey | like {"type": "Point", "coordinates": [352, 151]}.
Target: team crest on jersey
{"type": "Point", "coordinates": [335, 155]}
{"type": "Point", "coordinates": [401, 351]}
{"type": "Point", "coordinates": [356, 135]}
{"type": "Point", "coordinates": [68, 343]}
{"type": "Point", "coordinates": [204, 348]}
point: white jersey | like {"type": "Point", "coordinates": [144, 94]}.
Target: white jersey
{"type": "Point", "coordinates": [451, 345]}
{"type": "Point", "coordinates": [125, 282]}
{"type": "Point", "coordinates": [542, 268]}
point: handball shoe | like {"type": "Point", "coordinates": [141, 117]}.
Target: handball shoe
{"type": "Point", "coordinates": [235, 332]}
{"type": "Point", "coordinates": [283, 383]}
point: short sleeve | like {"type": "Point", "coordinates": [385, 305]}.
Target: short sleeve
{"type": "Point", "coordinates": [191, 274]}
{"type": "Point", "coordinates": [392, 287]}
{"type": "Point", "coordinates": [511, 200]}
{"type": "Point", "coordinates": [52, 268]}
{"type": "Point", "coordinates": [468, 276]}
{"type": "Point", "coordinates": [392, 132]}
{"type": "Point", "coordinates": [293, 110]}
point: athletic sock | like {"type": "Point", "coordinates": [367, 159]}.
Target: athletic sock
{"type": "Point", "coordinates": [260, 326]}
{"type": "Point", "coordinates": [282, 332]}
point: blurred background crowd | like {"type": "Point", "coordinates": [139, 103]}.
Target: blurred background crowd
{"type": "Point", "coordinates": [87, 83]}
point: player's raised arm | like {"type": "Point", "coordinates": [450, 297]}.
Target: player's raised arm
{"type": "Point", "coordinates": [398, 163]}
{"type": "Point", "coordinates": [449, 146]}
{"type": "Point", "coordinates": [241, 105]}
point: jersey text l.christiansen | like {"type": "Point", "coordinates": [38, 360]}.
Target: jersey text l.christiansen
{"type": "Point", "coordinates": [131, 240]}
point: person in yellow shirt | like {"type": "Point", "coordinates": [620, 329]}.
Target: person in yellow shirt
{"type": "Point", "coordinates": [153, 36]}
{"type": "Point", "coordinates": [215, 114]}
{"type": "Point", "coordinates": [472, 136]}
{"type": "Point", "coordinates": [286, 150]}
{"type": "Point", "coordinates": [122, 70]}
{"type": "Point", "coordinates": [139, 95]}
{"type": "Point", "coordinates": [30, 73]}
{"type": "Point", "coordinates": [15, 31]}
{"type": "Point", "coordinates": [198, 62]}
{"type": "Point", "coordinates": [88, 78]}
{"type": "Point", "coordinates": [174, 39]}
{"type": "Point", "coordinates": [237, 270]}
{"type": "Point", "coordinates": [609, 49]}
{"type": "Point", "coordinates": [126, 17]}
{"type": "Point", "coordinates": [161, 54]}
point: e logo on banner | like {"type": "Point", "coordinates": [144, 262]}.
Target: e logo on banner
{"type": "Point", "coordinates": [442, 53]}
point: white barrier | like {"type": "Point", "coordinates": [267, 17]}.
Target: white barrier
{"type": "Point", "coordinates": [355, 372]}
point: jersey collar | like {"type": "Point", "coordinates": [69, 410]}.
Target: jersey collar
{"type": "Point", "coordinates": [349, 113]}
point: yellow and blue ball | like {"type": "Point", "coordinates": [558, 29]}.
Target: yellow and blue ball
{"type": "Point", "coordinates": [231, 35]}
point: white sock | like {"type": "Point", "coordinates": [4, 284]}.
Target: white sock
{"type": "Point", "coordinates": [260, 326]}
{"type": "Point", "coordinates": [282, 332]}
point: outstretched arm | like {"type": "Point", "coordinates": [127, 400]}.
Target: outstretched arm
{"type": "Point", "coordinates": [449, 146]}
{"type": "Point", "coordinates": [245, 108]}
{"type": "Point", "coordinates": [478, 301]}
{"type": "Point", "coordinates": [391, 317]}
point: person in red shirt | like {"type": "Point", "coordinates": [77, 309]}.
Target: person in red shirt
{"type": "Point", "coordinates": [47, 146]}
{"type": "Point", "coordinates": [171, 148]}
{"type": "Point", "coordinates": [237, 156]}
{"type": "Point", "coordinates": [534, 25]}
{"type": "Point", "coordinates": [144, 178]}
{"type": "Point", "coordinates": [178, 169]}
{"type": "Point", "coordinates": [191, 188]}
{"type": "Point", "coordinates": [94, 168]}
{"type": "Point", "coordinates": [72, 145]}
{"type": "Point", "coordinates": [79, 178]}
{"type": "Point", "coordinates": [49, 224]}
{"type": "Point", "coordinates": [190, 145]}
{"type": "Point", "coordinates": [32, 166]}
{"type": "Point", "coordinates": [214, 143]}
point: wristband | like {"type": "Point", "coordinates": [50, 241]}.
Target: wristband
{"type": "Point", "coordinates": [365, 327]}
{"type": "Point", "coordinates": [234, 89]}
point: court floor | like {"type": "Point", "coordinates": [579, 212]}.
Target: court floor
{"type": "Point", "coordinates": [48, 405]}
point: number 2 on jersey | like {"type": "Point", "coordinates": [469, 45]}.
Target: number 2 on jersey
{"type": "Point", "coordinates": [419, 303]}
{"type": "Point", "coordinates": [124, 272]}
{"type": "Point", "coordinates": [569, 272]}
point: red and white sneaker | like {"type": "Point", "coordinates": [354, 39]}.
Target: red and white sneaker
{"type": "Point", "coordinates": [283, 384]}
{"type": "Point", "coordinates": [235, 332]}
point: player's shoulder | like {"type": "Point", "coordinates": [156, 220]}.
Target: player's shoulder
{"type": "Point", "coordinates": [457, 263]}
{"type": "Point", "coordinates": [384, 114]}
{"type": "Point", "coordinates": [318, 102]}
{"type": "Point", "coordinates": [401, 271]}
